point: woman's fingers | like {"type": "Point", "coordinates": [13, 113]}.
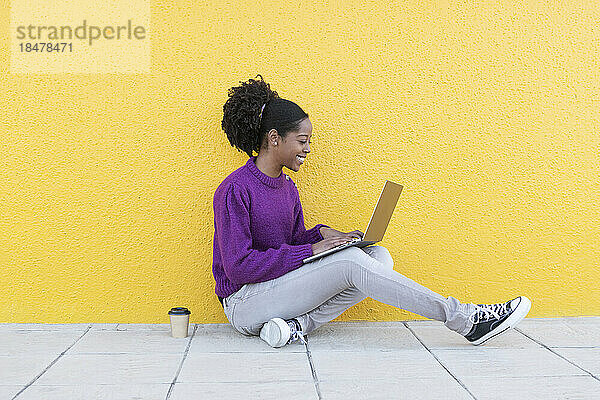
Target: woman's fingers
{"type": "Point", "coordinates": [357, 234]}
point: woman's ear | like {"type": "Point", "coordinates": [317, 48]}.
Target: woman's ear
{"type": "Point", "coordinates": [274, 138]}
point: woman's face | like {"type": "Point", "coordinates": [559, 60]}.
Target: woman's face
{"type": "Point", "coordinates": [296, 146]}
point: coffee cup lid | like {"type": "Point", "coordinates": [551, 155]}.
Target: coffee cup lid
{"type": "Point", "coordinates": [179, 311]}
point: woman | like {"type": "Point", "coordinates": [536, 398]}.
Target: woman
{"type": "Point", "coordinates": [260, 241]}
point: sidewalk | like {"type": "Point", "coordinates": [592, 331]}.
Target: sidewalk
{"type": "Point", "coordinates": [545, 358]}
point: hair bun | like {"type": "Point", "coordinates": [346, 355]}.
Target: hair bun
{"type": "Point", "coordinates": [242, 111]}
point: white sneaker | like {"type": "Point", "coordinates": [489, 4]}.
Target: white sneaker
{"type": "Point", "coordinates": [277, 332]}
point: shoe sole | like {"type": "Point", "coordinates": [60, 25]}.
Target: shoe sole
{"type": "Point", "coordinates": [514, 318]}
{"type": "Point", "coordinates": [271, 332]}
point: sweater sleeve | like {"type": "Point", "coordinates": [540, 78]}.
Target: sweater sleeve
{"type": "Point", "coordinates": [243, 264]}
{"type": "Point", "coordinates": [300, 235]}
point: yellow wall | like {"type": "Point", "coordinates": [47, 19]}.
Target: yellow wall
{"type": "Point", "coordinates": [487, 114]}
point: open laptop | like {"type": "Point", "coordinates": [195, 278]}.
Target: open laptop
{"type": "Point", "coordinates": [377, 224]}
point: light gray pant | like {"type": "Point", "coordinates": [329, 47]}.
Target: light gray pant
{"type": "Point", "coordinates": [320, 291]}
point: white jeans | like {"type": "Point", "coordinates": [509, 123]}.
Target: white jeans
{"type": "Point", "coordinates": [320, 291]}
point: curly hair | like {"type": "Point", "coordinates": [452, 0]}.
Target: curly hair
{"type": "Point", "coordinates": [245, 121]}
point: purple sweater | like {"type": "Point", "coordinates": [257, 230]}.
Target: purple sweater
{"type": "Point", "coordinates": [259, 229]}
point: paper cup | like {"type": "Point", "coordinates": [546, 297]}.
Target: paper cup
{"type": "Point", "coordinates": [180, 318]}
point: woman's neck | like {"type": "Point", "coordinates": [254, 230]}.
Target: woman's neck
{"type": "Point", "coordinates": [268, 166]}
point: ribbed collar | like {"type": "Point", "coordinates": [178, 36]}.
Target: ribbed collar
{"type": "Point", "coordinates": [264, 178]}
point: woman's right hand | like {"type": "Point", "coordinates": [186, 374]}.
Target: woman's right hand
{"type": "Point", "coordinates": [328, 243]}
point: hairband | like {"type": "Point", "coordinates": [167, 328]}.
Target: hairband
{"type": "Point", "coordinates": [261, 112]}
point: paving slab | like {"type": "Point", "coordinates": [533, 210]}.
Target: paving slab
{"type": "Point", "coordinates": [96, 369]}
{"type": "Point", "coordinates": [87, 392]}
{"type": "Point", "coordinates": [153, 327]}
{"type": "Point", "coordinates": [8, 391]}
{"type": "Point", "coordinates": [380, 324]}
{"type": "Point", "coordinates": [438, 336]}
{"type": "Point", "coordinates": [442, 387]}
{"type": "Point", "coordinates": [586, 358]}
{"type": "Point", "coordinates": [44, 327]}
{"type": "Point", "coordinates": [365, 365]}
{"type": "Point", "coordinates": [23, 368]}
{"type": "Point", "coordinates": [104, 327]}
{"type": "Point", "coordinates": [358, 359]}
{"type": "Point", "coordinates": [495, 363]}
{"type": "Point", "coordinates": [18, 342]}
{"type": "Point", "coordinates": [146, 341]}
{"type": "Point", "coordinates": [535, 388]}
{"type": "Point", "coordinates": [563, 332]}
{"type": "Point", "coordinates": [263, 367]}
{"type": "Point", "coordinates": [223, 338]}
{"type": "Point", "coordinates": [365, 336]}
{"type": "Point", "coordinates": [247, 391]}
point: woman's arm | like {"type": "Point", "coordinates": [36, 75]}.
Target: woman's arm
{"type": "Point", "coordinates": [242, 263]}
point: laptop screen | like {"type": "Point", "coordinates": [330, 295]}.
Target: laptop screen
{"type": "Point", "coordinates": [383, 211]}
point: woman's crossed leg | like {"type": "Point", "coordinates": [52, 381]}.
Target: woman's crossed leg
{"type": "Point", "coordinates": [320, 291]}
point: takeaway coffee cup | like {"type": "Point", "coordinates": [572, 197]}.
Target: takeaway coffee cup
{"type": "Point", "coordinates": [180, 318]}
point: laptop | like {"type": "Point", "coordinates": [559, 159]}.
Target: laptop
{"type": "Point", "coordinates": [377, 224]}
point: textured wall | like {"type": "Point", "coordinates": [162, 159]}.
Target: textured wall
{"type": "Point", "coordinates": [488, 115]}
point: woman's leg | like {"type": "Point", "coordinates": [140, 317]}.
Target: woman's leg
{"type": "Point", "coordinates": [342, 301]}
{"type": "Point", "coordinates": [305, 289]}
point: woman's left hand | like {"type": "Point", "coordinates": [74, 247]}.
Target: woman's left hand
{"type": "Point", "coordinates": [330, 232]}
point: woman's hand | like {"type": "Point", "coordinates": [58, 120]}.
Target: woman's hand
{"type": "Point", "coordinates": [333, 233]}
{"type": "Point", "coordinates": [328, 243]}
{"type": "Point", "coordinates": [333, 238]}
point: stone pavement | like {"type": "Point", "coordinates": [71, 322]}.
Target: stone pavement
{"type": "Point", "coordinates": [542, 358]}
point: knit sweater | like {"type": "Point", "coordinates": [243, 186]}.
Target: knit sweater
{"type": "Point", "coordinates": [259, 229]}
